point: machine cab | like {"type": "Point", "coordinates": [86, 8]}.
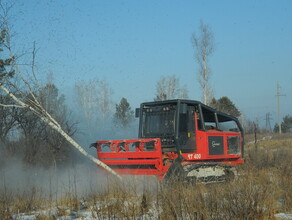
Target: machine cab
{"type": "Point", "coordinates": [191, 127]}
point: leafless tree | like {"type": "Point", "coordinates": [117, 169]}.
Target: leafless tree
{"type": "Point", "coordinates": [94, 98]}
{"type": "Point", "coordinates": [105, 101]}
{"type": "Point", "coordinates": [7, 118]}
{"type": "Point", "coordinates": [9, 69]}
{"type": "Point", "coordinates": [168, 87]}
{"type": "Point", "coordinates": [87, 97]}
{"type": "Point", "coordinates": [203, 44]}
{"type": "Point", "coordinates": [184, 92]}
{"type": "Point", "coordinates": [43, 145]}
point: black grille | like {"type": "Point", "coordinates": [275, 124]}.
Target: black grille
{"type": "Point", "coordinates": [233, 145]}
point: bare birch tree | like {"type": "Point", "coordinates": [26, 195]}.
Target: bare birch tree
{"type": "Point", "coordinates": [168, 87]}
{"type": "Point", "coordinates": [94, 98]}
{"type": "Point", "coordinates": [184, 93]}
{"type": "Point", "coordinates": [203, 44]}
{"type": "Point", "coordinates": [87, 97]}
{"type": "Point", "coordinates": [105, 101]}
{"type": "Point", "coordinates": [9, 70]}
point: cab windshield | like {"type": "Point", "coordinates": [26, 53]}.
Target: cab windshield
{"type": "Point", "coordinates": [158, 122]}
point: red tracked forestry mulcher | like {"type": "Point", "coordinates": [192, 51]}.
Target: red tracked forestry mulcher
{"type": "Point", "coordinates": [178, 139]}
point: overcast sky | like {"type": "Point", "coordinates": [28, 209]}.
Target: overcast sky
{"type": "Point", "coordinates": [134, 43]}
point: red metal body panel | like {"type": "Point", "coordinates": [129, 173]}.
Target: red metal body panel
{"type": "Point", "coordinates": [132, 157]}
{"type": "Point", "coordinates": [202, 152]}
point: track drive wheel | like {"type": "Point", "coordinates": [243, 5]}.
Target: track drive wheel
{"type": "Point", "coordinates": [175, 172]}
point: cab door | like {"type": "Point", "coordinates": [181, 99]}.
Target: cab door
{"type": "Point", "coordinates": [187, 132]}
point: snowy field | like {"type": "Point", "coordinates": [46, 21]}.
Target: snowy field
{"type": "Point", "coordinates": [262, 190]}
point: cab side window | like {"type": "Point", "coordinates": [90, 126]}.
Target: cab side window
{"type": "Point", "coordinates": [209, 119]}
{"type": "Point", "coordinates": [227, 124]}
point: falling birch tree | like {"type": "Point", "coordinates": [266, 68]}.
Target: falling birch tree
{"type": "Point", "coordinates": [203, 44]}
{"type": "Point", "coordinates": [15, 85]}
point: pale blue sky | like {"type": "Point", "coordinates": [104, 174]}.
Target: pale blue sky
{"type": "Point", "coordinates": [133, 43]}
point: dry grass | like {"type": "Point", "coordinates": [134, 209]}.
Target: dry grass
{"type": "Point", "coordinates": [262, 189]}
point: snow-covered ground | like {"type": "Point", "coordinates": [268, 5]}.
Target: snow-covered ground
{"type": "Point", "coordinates": [91, 215]}
{"type": "Point", "coordinates": [88, 214]}
{"type": "Point", "coordinates": [283, 216]}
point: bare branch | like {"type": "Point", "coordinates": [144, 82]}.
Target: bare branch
{"type": "Point", "coordinates": [34, 51]}
{"type": "Point", "coordinates": [13, 106]}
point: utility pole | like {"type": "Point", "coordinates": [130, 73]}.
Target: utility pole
{"type": "Point", "coordinates": [279, 115]}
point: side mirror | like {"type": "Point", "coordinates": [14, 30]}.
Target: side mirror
{"type": "Point", "coordinates": [137, 113]}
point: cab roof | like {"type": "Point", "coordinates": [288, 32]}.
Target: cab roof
{"type": "Point", "coordinates": [221, 115]}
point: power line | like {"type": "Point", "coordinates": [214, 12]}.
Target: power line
{"type": "Point", "coordinates": [268, 122]}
